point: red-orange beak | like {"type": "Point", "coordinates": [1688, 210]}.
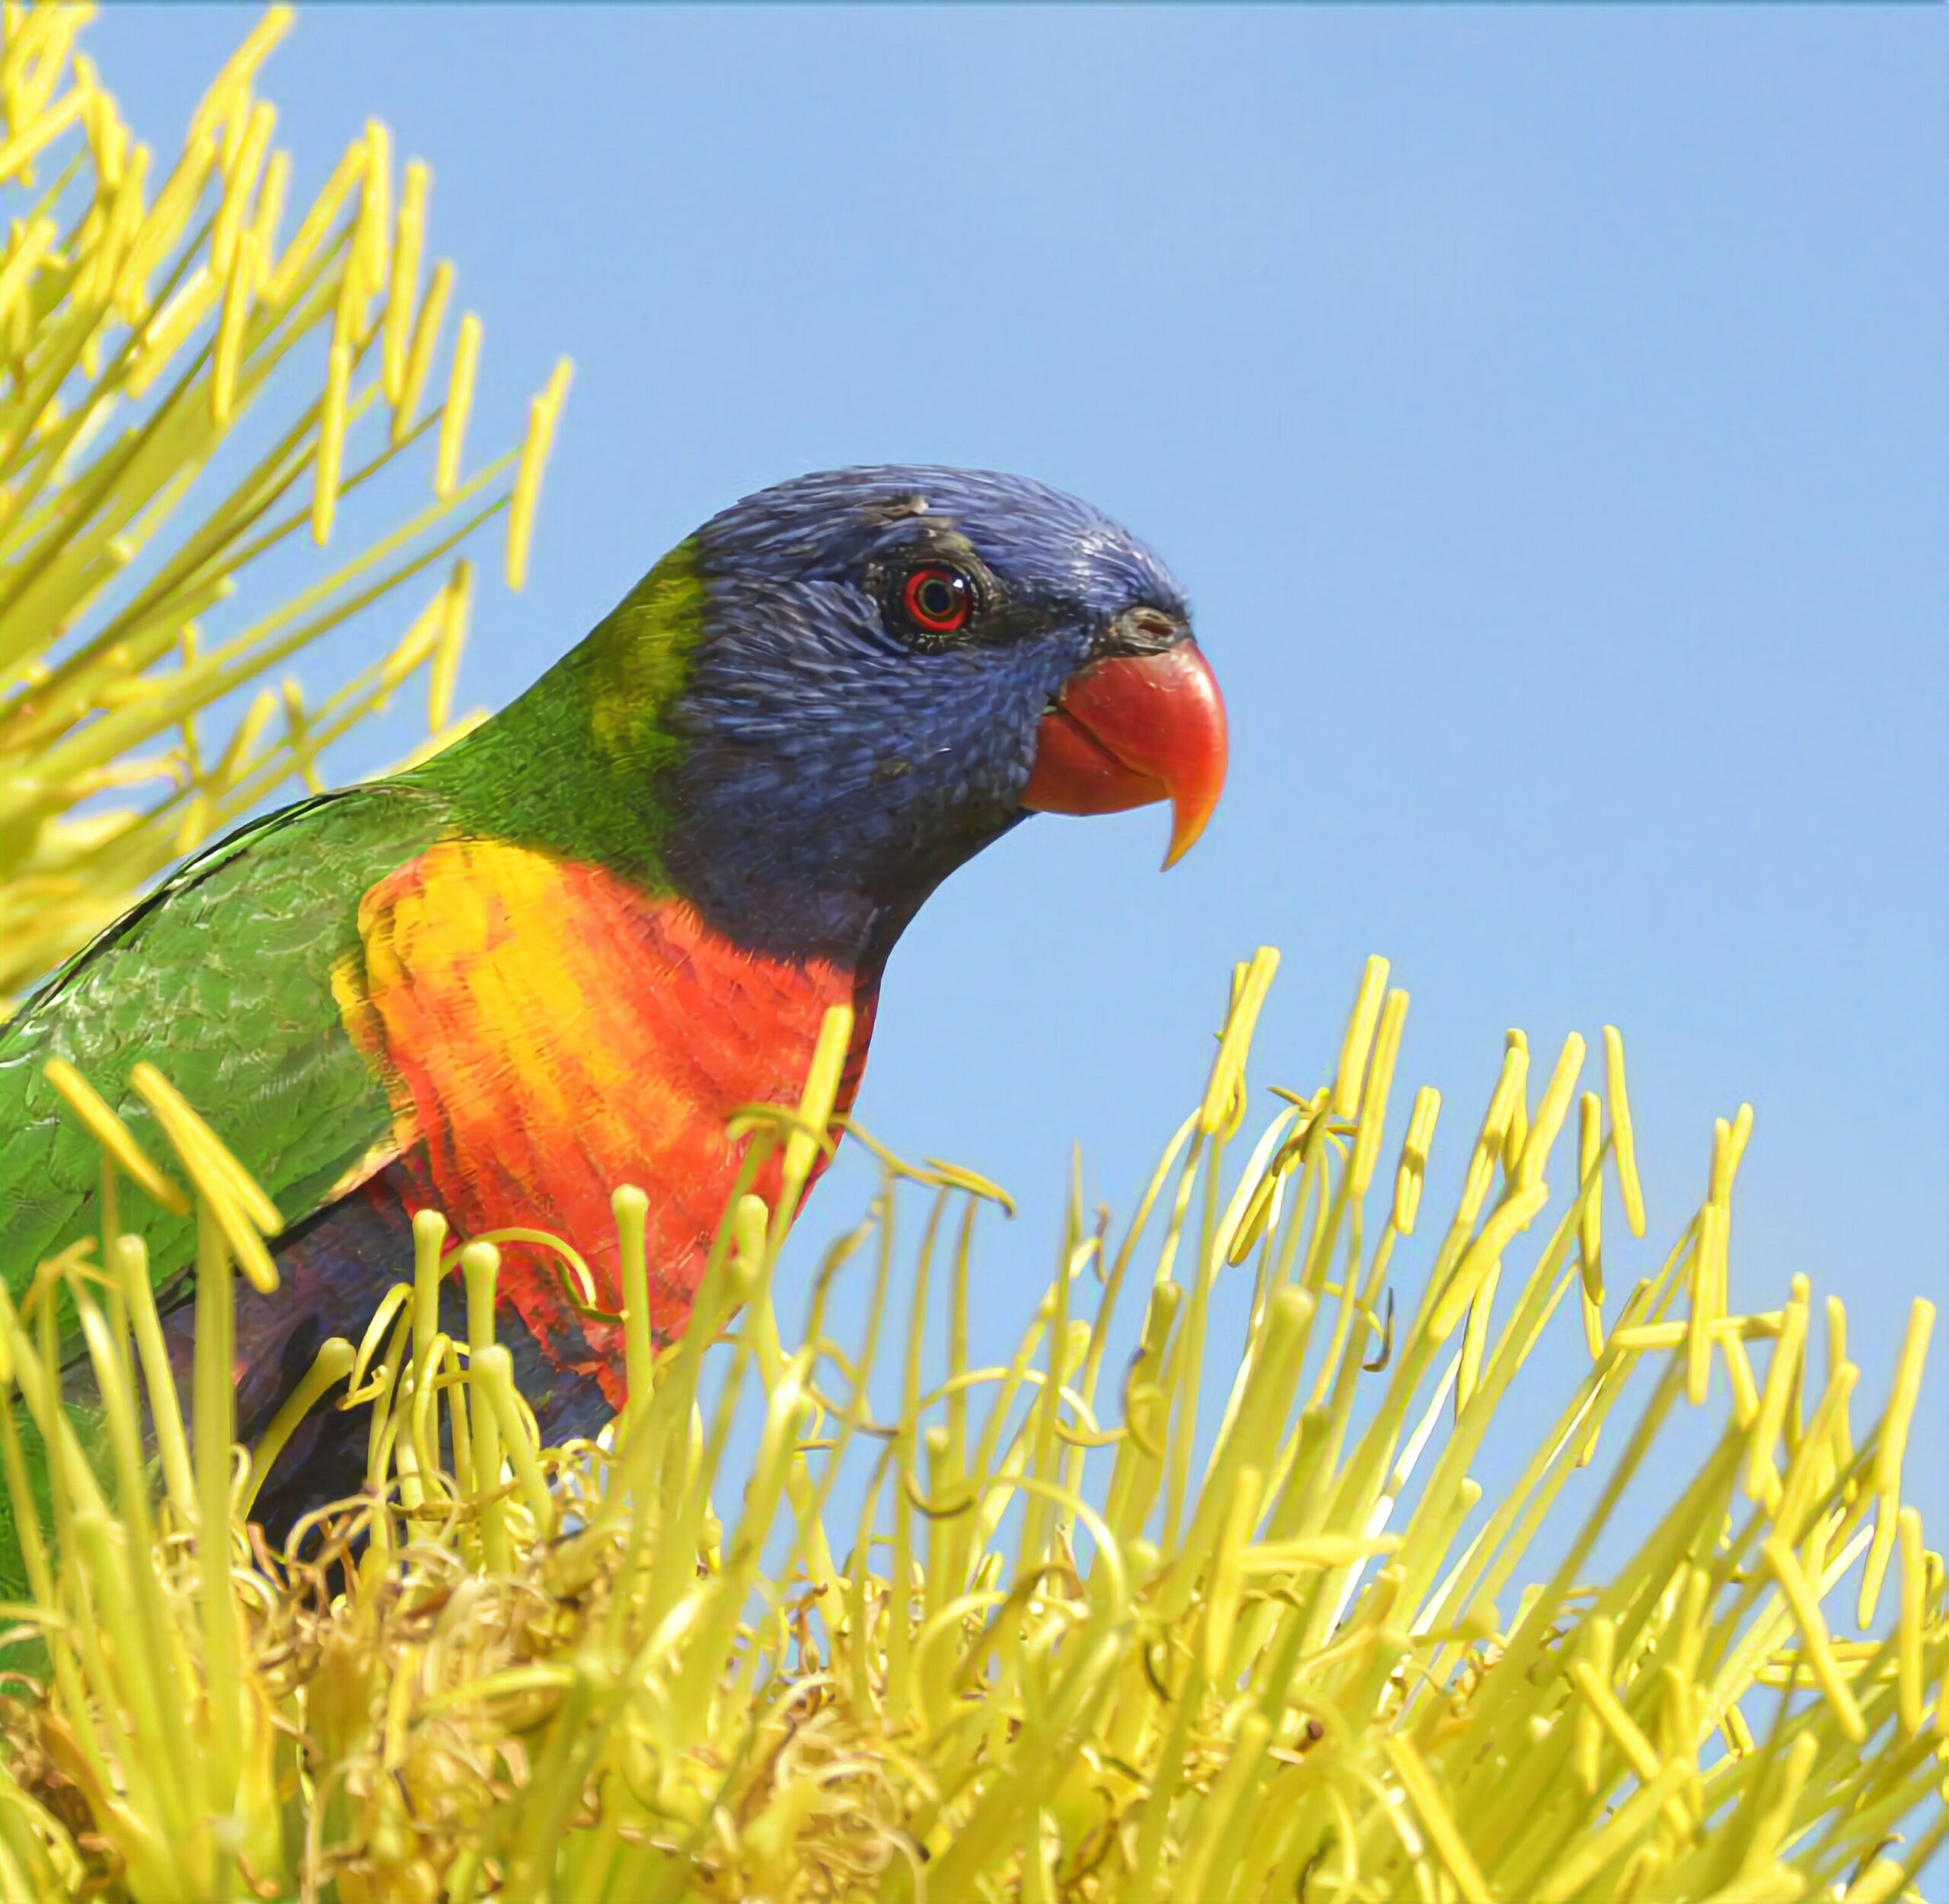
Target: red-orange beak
{"type": "Point", "coordinates": [1131, 729]}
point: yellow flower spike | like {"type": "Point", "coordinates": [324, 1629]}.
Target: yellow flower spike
{"type": "Point", "coordinates": [28, 246]}
{"type": "Point", "coordinates": [329, 1366]}
{"type": "Point", "coordinates": [1415, 1158]}
{"type": "Point", "coordinates": [164, 333]}
{"type": "Point", "coordinates": [164, 225]}
{"type": "Point", "coordinates": [1516, 1133]}
{"type": "Point", "coordinates": [1510, 1219]}
{"type": "Point", "coordinates": [1228, 1067]}
{"type": "Point", "coordinates": [1616, 1836]}
{"type": "Point", "coordinates": [1490, 1139]}
{"type": "Point", "coordinates": [1601, 1644]}
{"type": "Point", "coordinates": [241, 1210]}
{"type": "Point", "coordinates": [369, 241]}
{"type": "Point", "coordinates": [1910, 1688]}
{"type": "Point", "coordinates": [543, 412]}
{"type": "Point", "coordinates": [1881, 1883]}
{"type": "Point", "coordinates": [1625, 1147]}
{"type": "Point", "coordinates": [420, 352]}
{"type": "Point", "coordinates": [318, 219]}
{"type": "Point", "coordinates": [1436, 1819]}
{"type": "Point", "coordinates": [1533, 1158]}
{"type": "Point", "coordinates": [1774, 1799]}
{"type": "Point", "coordinates": [1804, 1481]}
{"type": "Point", "coordinates": [1837, 1356]}
{"type": "Point", "coordinates": [456, 604]}
{"type": "Point", "coordinates": [1638, 1751]}
{"type": "Point", "coordinates": [239, 181]}
{"type": "Point", "coordinates": [631, 1209]}
{"type": "Point", "coordinates": [1783, 1376]}
{"type": "Point", "coordinates": [1359, 1035]}
{"type": "Point", "coordinates": [1707, 1280]}
{"type": "Point", "coordinates": [493, 1373]}
{"type": "Point", "coordinates": [403, 285]}
{"type": "Point", "coordinates": [166, 1101]}
{"type": "Point", "coordinates": [1255, 1203]}
{"type": "Point", "coordinates": [429, 1236]}
{"type": "Point", "coordinates": [1889, 1451]}
{"type": "Point", "coordinates": [1819, 1654]}
{"type": "Point", "coordinates": [1373, 1098]}
{"type": "Point", "coordinates": [27, 144]}
{"type": "Point", "coordinates": [269, 208]}
{"type": "Point", "coordinates": [1234, 1531]}
{"type": "Point", "coordinates": [1590, 1227]}
{"type": "Point", "coordinates": [816, 1103]}
{"type": "Point", "coordinates": [331, 441]}
{"type": "Point", "coordinates": [750, 1222]}
{"type": "Point", "coordinates": [238, 292]}
{"type": "Point", "coordinates": [460, 403]}
{"type": "Point", "coordinates": [114, 1137]}
{"type": "Point", "coordinates": [479, 1264]}
{"type": "Point", "coordinates": [1474, 1338]}
{"type": "Point", "coordinates": [1728, 1334]}
{"type": "Point", "coordinates": [235, 74]}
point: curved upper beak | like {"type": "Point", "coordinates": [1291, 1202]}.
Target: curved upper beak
{"type": "Point", "coordinates": [1130, 730]}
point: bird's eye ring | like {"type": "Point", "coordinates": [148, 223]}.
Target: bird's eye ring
{"type": "Point", "coordinates": [938, 599]}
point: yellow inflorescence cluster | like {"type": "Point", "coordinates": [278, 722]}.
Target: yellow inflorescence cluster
{"type": "Point", "coordinates": [1083, 1630]}
{"type": "Point", "coordinates": [143, 317]}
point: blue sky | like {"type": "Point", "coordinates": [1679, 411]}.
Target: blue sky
{"type": "Point", "coordinates": [1546, 411]}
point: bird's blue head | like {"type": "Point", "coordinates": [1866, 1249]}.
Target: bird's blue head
{"type": "Point", "coordinates": [892, 666]}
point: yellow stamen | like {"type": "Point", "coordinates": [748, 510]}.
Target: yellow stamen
{"type": "Point", "coordinates": [1909, 1687]}
{"type": "Point", "coordinates": [1889, 1451]}
{"type": "Point", "coordinates": [331, 1365]}
{"type": "Point", "coordinates": [331, 442]}
{"type": "Point", "coordinates": [240, 180]}
{"type": "Point", "coordinates": [1550, 1113]}
{"type": "Point", "coordinates": [1436, 1819]}
{"type": "Point", "coordinates": [1374, 1100]}
{"type": "Point", "coordinates": [1625, 1147]}
{"type": "Point", "coordinates": [1707, 1279]}
{"type": "Point", "coordinates": [237, 299]}
{"type": "Point", "coordinates": [235, 73]}
{"type": "Point", "coordinates": [114, 1136]}
{"type": "Point", "coordinates": [1806, 1608]}
{"type": "Point", "coordinates": [420, 356]}
{"type": "Point", "coordinates": [316, 222]}
{"type": "Point", "coordinates": [1352, 1068]}
{"type": "Point", "coordinates": [1762, 1478]}
{"type": "Point", "coordinates": [1506, 1222]}
{"type": "Point", "coordinates": [456, 600]}
{"type": "Point", "coordinates": [404, 284]}
{"type": "Point", "coordinates": [1515, 1130]}
{"type": "Point", "coordinates": [20, 150]}
{"type": "Point", "coordinates": [459, 401]}
{"type": "Point", "coordinates": [542, 413]}
{"type": "Point", "coordinates": [1415, 1158]}
{"type": "Point", "coordinates": [1601, 1641]}
{"type": "Point", "coordinates": [1590, 1223]}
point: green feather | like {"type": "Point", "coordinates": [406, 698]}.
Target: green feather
{"type": "Point", "coordinates": [570, 769]}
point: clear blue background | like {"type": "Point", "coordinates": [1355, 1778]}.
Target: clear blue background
{"type": "Point", "coordinates": [1546, 409]}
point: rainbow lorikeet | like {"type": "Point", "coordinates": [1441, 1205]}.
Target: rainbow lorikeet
{"type": "Point", "coordinates": [554, 957]}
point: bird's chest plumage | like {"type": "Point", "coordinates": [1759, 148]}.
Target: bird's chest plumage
{"type": "Point", "coordinates": [548, 1032]}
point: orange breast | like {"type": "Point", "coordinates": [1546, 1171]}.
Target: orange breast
{"type": "Point", "coordinates": [548, 1032]}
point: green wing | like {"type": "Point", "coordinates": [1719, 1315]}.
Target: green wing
{"type": "Point", "coordinates": [222, 979]}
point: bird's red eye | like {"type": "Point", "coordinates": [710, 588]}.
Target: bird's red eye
{"type": "Point", "coordinates": [939, 599]}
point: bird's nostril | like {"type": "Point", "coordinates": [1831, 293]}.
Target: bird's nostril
{"type": "Point", "coordinates": [1148, 630]}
